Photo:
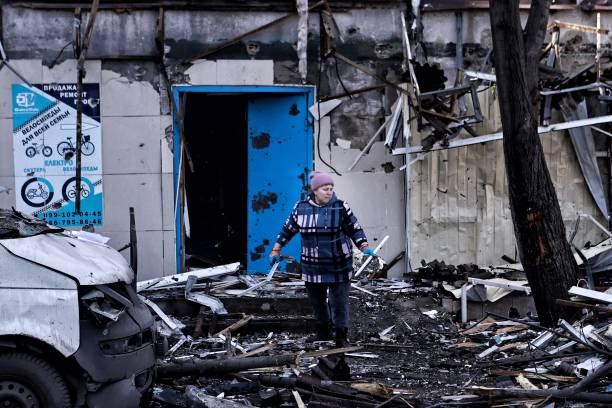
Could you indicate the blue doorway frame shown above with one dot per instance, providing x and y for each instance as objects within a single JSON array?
[{"x": 306, "y": 90}]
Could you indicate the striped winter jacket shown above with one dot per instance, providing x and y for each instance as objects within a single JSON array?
[{"x": 326, "y": 229}]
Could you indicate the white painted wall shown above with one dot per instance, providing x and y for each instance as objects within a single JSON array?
[{"x": 132, "y": 138}]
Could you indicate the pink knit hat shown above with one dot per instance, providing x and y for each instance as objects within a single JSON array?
[{"x": 318, "y": 179}]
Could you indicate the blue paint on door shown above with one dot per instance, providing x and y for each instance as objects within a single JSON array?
[
  {"x": 279, "y": 161},
  {"x": 286, "y": 166}
]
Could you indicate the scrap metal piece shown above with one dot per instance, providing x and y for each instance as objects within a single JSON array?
[
  {"x": 509, "y": 286},
  {"x": 543, "y": 340},
  {"x": 591, "y": 294},
  {"x": 392, "y": 128},
  {"x": 199, "y": 398},
  {"x": 588, "y": 366},
  {"x": 181, "y": 279},
  {"x": 369, "y": 259},
  {"x": 165, "y": 318},
  {"x": 578, "y": 334},
  {"x": 213, "y": 303},
  {"x": 480, "y": 75},
  {"x": 262, "y": 283},
  {"x": 453, "y": 144},
  {"x": 321, "y": 109},
  {"x": 107, "y": 311}
]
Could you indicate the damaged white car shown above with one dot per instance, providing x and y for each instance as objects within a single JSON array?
[{"x": 73, "y": 332}]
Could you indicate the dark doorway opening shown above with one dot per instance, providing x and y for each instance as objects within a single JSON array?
[{"x": 216, "y": 131}]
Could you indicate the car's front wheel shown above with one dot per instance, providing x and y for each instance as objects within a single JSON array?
[{"x": 27, "y": 381}]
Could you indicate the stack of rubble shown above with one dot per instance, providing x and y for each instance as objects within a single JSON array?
[
  {"x": 218, "y": 358},
  {"x": 527, "y": 362}
]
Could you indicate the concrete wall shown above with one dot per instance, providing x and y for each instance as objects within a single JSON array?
[{"x": 133, "y": 170}]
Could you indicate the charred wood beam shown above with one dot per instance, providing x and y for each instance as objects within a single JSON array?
[
  {"x": 196, "y": 366},
  {"x": 367, "y": 71},
  {"x": 293, "y": 325},
  {"x": 351, "y": 93},
  {"x": 315, "y": 384},
  {"x": 582, "y": 305}
]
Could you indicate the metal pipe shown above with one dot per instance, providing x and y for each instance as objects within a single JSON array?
[{"x": 369, "y": 259}]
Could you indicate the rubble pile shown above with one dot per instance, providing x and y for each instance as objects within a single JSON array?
[
  {"x": 527, "y": 363},
  {"x": 237, "y": 359},
  {"x": 235, "y": 348}
]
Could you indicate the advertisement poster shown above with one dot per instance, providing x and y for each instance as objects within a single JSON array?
[{"x": 44, "y": 151}]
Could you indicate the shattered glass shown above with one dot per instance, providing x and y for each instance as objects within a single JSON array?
[{"x": 14, "y": 224}]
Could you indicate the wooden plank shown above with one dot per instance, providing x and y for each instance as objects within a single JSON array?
[
  {"x": 581, "y": 305},
  {"x": 330, "y": 352},
  {"x": 511, "y": 329},
  {"x": 259, "y": 350},
  {"x": 235, "y": 326}
]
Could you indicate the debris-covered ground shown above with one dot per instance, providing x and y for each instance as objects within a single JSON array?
[{"x": 406, "y": 350}]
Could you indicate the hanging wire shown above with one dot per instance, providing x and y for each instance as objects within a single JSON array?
[{"x": 319, "y": 118}]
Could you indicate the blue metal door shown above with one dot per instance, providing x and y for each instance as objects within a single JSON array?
[{"x": 279, "y": 162}]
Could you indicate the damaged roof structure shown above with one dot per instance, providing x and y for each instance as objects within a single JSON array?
[{"x": 207, "y": 118}]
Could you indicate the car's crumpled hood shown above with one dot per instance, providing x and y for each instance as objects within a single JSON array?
[{"x": 89, "y": 263}]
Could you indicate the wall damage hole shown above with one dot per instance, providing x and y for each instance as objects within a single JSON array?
[
  {"x": 260, "y": 141},
  {"x": 383, "y": 50},
  {"x": 294, "y": 111},
  {"x": 262, "y": 202},
  {"x": 259, "y": 250},
  {"x": 252, "y": 48},
  {"x": 388, "y": 167}
]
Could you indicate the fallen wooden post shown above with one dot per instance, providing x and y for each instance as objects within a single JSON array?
[
  {"x": 197, "y": 366},
  {"x": 331, "y": 352},
  {"x": 235, "y": 326}
]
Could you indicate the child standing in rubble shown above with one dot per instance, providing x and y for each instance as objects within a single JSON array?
[{"x": 327, "y": 225}]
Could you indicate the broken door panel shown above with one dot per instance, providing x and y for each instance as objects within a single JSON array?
[{"x": 279, "y": 161}]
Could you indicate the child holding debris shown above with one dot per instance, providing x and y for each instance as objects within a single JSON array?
[{"x": 327, "y": 225}]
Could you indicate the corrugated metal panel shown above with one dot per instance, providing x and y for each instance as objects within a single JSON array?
[{"x": 460, "y": 210}]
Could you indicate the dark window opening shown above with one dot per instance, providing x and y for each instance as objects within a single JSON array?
[{"x": 216, "y": 131}]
